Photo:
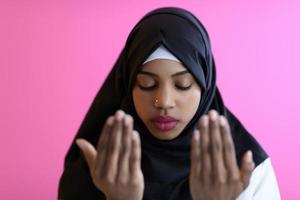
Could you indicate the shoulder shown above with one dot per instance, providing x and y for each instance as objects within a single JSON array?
[{"x": 263, "y": 183}]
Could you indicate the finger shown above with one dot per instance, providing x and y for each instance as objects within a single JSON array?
[
  {"x": 111, "y": 164},
  {"x": 228, "y": 150},
  {"x": 123, "y": 172},
  {"x": 247, "y": 168},
  {"x": 102, "y": 147},
  {"x": 205, "y": 143},
  {"x": 216, "y": 148},
  {"x": 195, "y": 154},
  {"x": 89, "y": 152},
  {"x": 135, "y": 156}
]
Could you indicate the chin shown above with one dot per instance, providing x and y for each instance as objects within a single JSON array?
[{"x": 164, "y": 135}]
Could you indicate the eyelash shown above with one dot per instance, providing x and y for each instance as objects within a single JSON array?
[
  {"x": 183, "y": 88},
  {"x": 154, "y": 86}
]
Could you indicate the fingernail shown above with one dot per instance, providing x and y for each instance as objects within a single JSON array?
[
  {"x": 79, "y": 142},
  {"x": 213, "y": 115},
  {"x": 119, "y": 115},
  {"x": 204, "y": 120},
  {"x": 110, "y": 121},
  {"x": 126, "y": 121},
  {"x": 136, "y": 135},
  {"x": 250, "y": 156},
  {"x": 222, "y": 121}
]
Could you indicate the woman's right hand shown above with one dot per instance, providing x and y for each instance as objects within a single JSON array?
[{"x": 115, "y": 165}]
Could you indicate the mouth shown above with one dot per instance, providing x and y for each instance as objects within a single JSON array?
[{"x": 165, "y": 123}]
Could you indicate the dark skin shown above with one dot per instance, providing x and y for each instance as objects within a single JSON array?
[
  {"x": 214, "y": 175},
  {"x": 214, "y": 171},
  {"x": 115, "y": 166}
]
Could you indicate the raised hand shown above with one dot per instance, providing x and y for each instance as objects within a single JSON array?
[
  {"x": 214, "y": 171},
  {"x": 115, "y": 165}
]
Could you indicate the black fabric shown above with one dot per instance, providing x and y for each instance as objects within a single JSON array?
[{"x": 165, "y": 164}]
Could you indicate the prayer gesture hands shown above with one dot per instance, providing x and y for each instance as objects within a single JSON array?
[
  {"x": 214, "y": 171},
  {"x": 115, "y": 164}
]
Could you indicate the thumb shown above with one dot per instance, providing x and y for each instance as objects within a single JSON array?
[
  {"x": 89, "y": 152},
  {"x": 247, "y": 168}
]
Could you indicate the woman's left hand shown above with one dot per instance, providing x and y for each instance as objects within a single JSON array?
[{"x": 214, "y": 171}]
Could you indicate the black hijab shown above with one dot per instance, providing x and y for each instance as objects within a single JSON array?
[{"x": 165, "y": 164}]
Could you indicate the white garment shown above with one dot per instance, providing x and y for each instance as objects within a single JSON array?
[
  {"x": 161, "y": 53},
  {"x": 263, "y": 184}
]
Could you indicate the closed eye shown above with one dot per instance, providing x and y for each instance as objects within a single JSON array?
[
  {"x": 147, "y": 88},
  {"x": 183, "y": 87}
]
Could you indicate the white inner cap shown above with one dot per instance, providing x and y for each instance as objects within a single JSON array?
[{"x": 161, "y": 53}]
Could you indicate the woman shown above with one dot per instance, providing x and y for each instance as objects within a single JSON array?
[{"x": 158, "y": 128}]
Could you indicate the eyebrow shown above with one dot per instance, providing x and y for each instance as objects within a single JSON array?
[{"x": 155, "y": 75}]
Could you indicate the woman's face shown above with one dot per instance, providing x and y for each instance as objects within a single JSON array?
[{"x": 166, "y": 97}]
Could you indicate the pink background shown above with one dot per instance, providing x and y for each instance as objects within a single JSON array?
[{"x": 54, "y": 56}]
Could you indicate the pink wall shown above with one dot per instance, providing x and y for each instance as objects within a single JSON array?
[{"x": 54, "y": 55}]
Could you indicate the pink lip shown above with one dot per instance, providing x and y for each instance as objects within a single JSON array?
[{"x": 165, "y": 123}]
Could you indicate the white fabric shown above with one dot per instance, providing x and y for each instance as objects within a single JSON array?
[
  {"x": 161, "y": 53},
  {"x": 263, "y": 184}
]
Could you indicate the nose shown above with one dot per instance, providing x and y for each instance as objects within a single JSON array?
[{"x": 165, "y": 98}]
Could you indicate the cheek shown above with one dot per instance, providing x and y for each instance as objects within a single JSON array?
[
  {"x": 189, "y": 103},
  {"x": 142, "y": 102}
]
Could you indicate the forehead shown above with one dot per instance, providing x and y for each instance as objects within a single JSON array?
[{"x": 163, "y": 66}]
